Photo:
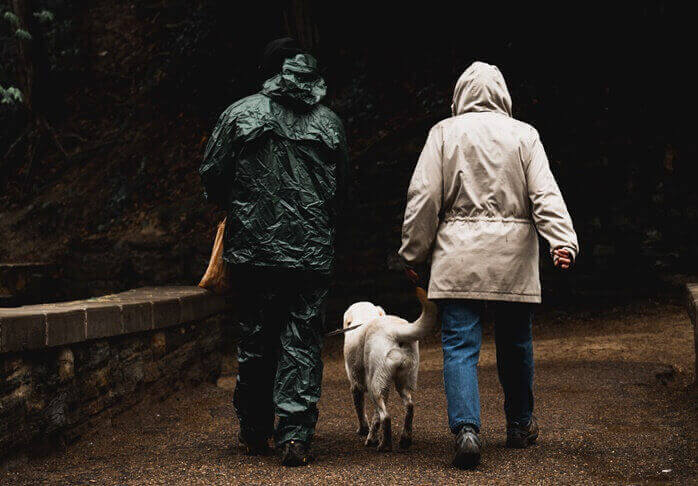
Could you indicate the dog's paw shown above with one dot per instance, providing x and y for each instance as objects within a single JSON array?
[
  {"x": 362, "y": 430},
  {"x": 371, "y": 442},
  {"x": 405, "y": 442},
  {"x": 385, "y": 446}
]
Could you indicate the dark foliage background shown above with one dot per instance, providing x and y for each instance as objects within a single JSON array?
[{"x": 134, "y": 89}]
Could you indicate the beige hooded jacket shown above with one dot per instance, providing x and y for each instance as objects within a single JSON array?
[{"x": 480, "y": 190}]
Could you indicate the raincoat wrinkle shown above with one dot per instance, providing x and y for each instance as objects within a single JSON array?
[
  {"x": 276, "y": 161},
  {"x": 279, "y": 357}
]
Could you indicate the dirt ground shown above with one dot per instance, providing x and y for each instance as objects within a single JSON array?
[{"x": 613, "y": 399}]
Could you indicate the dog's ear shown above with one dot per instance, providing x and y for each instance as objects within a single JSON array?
[{"x": 381, "y": 311}]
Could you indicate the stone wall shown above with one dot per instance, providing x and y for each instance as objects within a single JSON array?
[{"x": 49, "y": 395}]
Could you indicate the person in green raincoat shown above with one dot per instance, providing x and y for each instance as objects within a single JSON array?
[{"x": 276, "y": 163}]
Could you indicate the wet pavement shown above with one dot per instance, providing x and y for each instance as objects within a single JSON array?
[{"x": 613, "y": 400}]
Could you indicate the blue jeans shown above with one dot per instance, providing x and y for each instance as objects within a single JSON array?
[{"x": 461, "y": 335}]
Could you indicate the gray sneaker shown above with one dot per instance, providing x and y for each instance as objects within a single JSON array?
[
  {"x": 468, "y": 446},
  {"x": 520, "y": 437}
]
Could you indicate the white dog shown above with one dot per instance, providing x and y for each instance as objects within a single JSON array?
[{"x": 382, "y": 351}]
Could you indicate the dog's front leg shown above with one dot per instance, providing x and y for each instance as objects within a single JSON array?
[{"x": 359, "y": 405}]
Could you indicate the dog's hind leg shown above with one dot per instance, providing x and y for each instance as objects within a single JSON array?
[
  {"x": 372, "y": 439},
  {"x": 406, "y": 436},
  {"x": 385, "y": 442},
  {"x": 358, "y": 395}
]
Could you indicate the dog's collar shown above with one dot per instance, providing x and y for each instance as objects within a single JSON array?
[{"x": 344, "y": 330}]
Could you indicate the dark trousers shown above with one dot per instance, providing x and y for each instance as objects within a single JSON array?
[{"x": 279, "y": 358}]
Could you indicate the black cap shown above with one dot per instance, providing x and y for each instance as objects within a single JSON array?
[{"x": 275, "y": 53}]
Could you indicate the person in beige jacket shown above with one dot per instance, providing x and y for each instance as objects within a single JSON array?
[{"x": 480, "y": 194}]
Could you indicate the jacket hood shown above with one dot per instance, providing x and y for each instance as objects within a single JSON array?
[
  {"x": 481, "y": 88},
  {"x": 299, "y": 82}
]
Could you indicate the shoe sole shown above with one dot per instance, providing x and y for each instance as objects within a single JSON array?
[
  {"x": 295, "y": 464},
  {"x": 262, "y": 450},
  {"x": 522, "y": 444},
  {"x": 256, "y": 452},
  {"x": 466, "y": 461},
  {"x": 296, "y": 461}
]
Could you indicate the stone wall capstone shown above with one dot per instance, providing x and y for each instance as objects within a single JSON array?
[{"x": 65, "y": 368}]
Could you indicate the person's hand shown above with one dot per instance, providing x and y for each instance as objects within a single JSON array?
[
  {"x": 412, "y": 275},
  {"x": 417, "y": 274},
  {"x": 562, "y": 258}
]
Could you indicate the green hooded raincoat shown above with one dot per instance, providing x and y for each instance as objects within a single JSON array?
[{"x": 276, "y": 162}]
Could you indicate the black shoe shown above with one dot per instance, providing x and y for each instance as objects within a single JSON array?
[
  {"x": 254, "y": 448},
  {"x": 468, "y": 446},
  {"x": 520, "y": 437},
  {"x": 296, "y": 453}
]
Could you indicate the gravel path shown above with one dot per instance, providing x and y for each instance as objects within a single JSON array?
[{"x": 612, "y": 397}]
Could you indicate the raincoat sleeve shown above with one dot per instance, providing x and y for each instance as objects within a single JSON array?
[
  {"x": 424, "y": 201},
  {"x": 548, "y": 208},
  {"x": 217, "y": 168}
]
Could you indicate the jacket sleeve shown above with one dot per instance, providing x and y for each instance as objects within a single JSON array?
[
  {"x": 548, "y": 208},
  {"x": 424, "y": 200},
  {"x": 217, "y": 168}
]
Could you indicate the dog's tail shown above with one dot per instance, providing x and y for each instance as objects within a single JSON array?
[{"x": 424, "y": 324}]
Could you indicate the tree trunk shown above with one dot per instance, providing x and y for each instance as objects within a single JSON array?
[
  {"x": 33, "y": 78},
  {"x": 26, "y": 65},
  {"x": 298, "y": 16}
]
